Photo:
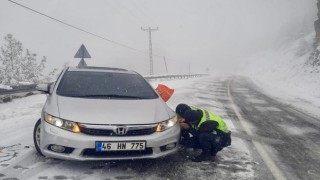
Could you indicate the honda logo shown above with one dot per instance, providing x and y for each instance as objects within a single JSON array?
[{"x": 121, "y": 130}]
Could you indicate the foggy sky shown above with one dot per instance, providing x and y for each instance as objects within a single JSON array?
[{"x": 212, "y": 34}]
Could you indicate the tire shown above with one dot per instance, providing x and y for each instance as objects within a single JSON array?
[{"x": 36, "y": 136}]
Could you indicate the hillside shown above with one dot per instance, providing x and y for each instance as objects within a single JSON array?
[{"x": 290, "y": 69}]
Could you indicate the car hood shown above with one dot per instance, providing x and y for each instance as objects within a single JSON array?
[{"x": 113, "y": 111}]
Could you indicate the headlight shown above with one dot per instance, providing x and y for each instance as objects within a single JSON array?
[
  {"x": 162, "y": 126},
  {"x": 61, "y": 123}
]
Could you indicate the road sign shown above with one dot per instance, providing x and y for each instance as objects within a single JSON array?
[
  {"x": 82, "y": 63},
  {"x": 82, "y": 53}
]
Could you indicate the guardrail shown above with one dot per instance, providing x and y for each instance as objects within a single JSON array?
[
  {"x": 152, "y": 77},
  {"x": 18, "y": 89},
  {"x": 24, "y": 90}
]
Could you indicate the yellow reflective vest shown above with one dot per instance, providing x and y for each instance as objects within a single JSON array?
[{"x": 209, "y": 116}]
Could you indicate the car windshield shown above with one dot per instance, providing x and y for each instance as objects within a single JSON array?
[{"x": 88, "y": 84}]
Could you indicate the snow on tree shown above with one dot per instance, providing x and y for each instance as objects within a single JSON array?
[
  {"x": 32, "y": 71},
  {"x": 10, "y": 57},
  {"x": 28, "y": 65},
  {"x": 40, "y": 68},
  {"x": 52, "y": 76},
  {"x": 2, "y": 76},
  {"x": 16, "y": 66},
  {"x": 314, "y": 58}
]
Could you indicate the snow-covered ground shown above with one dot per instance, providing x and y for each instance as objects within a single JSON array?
[
  {"x": 283, "y": 73},
  {"x": 5, "y": 87}
]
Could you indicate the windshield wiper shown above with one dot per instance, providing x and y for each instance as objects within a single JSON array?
[{"x": 111, "y": 96}]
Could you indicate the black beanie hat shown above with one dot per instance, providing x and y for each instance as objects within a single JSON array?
[
  {"x": 181, "y": 109},
  {"x": 193, "y": 115}
]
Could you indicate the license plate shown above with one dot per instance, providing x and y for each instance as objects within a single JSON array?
[{"x": 120, "y": 146}]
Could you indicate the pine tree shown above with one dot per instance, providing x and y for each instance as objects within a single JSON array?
[
  {"x": 1, "y": 73},
  {"x": 10, "y": 57},
  {"x": 39, "y": 69},
  {"x": 16, "y": 66},
  {"x": 28, "y": 66},
  {"x": 52, "y": 76}
]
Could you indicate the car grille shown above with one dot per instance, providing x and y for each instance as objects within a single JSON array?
[
  {"x": 94, "y": 153},
  {"x": 109, "y": 132}
]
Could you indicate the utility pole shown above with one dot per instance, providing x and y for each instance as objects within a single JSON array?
[
  {"x": 165, "y": 63},
  {"x": 150, "y": 47},
  {"x": 189, "y": 69}
]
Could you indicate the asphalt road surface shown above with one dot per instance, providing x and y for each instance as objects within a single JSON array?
[{"x": 285, "y": 138}]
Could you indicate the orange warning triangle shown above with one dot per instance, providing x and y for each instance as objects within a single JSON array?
[{"x": 165, "y": 92}]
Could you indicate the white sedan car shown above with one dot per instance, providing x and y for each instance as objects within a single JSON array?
[{"x": 96, "y": 113}]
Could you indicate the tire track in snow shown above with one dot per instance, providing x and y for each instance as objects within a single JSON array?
[
  {"x": 276, "y": 172},
  {"x": 28, "y": 165}
]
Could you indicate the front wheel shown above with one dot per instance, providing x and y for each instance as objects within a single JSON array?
[{"x": 36, "y": 136}]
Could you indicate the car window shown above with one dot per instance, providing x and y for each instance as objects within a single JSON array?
[{"x": 105, "y": 85}]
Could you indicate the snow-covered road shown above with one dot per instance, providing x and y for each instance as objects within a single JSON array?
[
  {"x": 286, "y": 137},
  {"x": 235, "y": 100}
]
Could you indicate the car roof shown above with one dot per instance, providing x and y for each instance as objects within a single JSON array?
[{"x": 101, "y": 69}]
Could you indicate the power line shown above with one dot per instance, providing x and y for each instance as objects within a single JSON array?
[
  {"x": 80, "y": 29},
  {"x": 141, "y": 11},
  {"x": 90, "y": 33}
]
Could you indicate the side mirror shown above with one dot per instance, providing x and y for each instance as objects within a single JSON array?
[{"x": 43, "y": 87}]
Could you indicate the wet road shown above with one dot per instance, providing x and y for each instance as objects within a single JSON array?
[{"x": 289, "y": 136}]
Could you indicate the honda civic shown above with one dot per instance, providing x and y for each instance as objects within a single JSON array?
[{"x": 100, "y": 113}]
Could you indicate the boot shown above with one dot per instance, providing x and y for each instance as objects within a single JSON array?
[
  {"x": 204, "y": 156},
  {"x": 214, "y": 152}
]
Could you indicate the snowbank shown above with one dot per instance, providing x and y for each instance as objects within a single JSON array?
[
  {"x": 5, "y": 87},
  {"x": 285, "y": 70}
]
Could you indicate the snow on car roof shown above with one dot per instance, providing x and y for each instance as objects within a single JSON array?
[{"x": 100, "y": 69}]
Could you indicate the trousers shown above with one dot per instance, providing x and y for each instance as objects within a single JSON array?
[{"x": 208, "y": 142}]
